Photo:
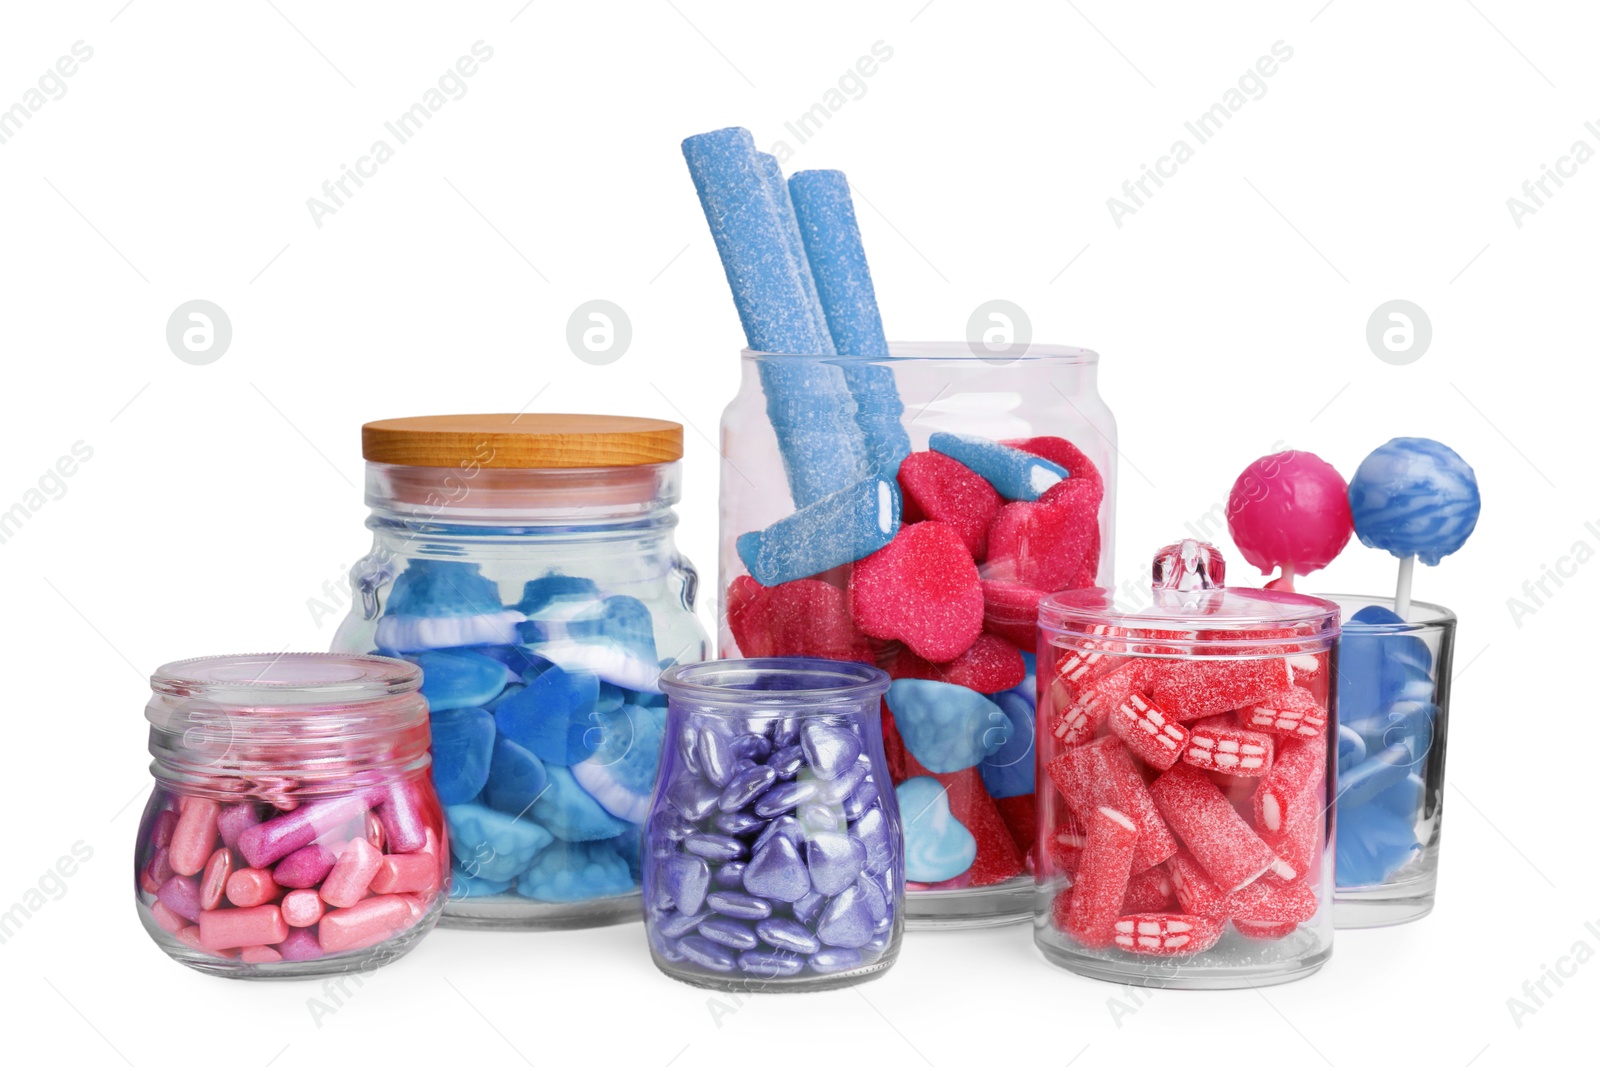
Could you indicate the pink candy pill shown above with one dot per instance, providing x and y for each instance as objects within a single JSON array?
[
  {"x": 418, "y": 873},
  {"x": 195, "y": 835},
  {"x": 166, "y": 918},
  {"x": 352, "y": 873},
  {"x": 304, "y": 867},
  {"x": 260, "y": 954},
  {"x": 301, "y": 907},
  {"x": 251, "y": 887},
  {"x": 235, "y": 819},
  {"x": 181, "y": 895},
  {"x": 274, "y": 839},
  {"x": 161, "y": 829},
  {"x": 401, "y": 816},
  {"x": 301, "y": 944},
  {"x": 369, "y": 922},
  {"x": 242, "y": 927},
  {"x": 214, "y": 882}
]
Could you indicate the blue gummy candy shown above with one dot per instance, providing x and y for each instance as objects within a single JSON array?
[
  {"x": 463, "y": 741},
  {"x": 1414, "y": 497},
  {"x": 1352, "y": 748},
  {"x": 1403, "y": 799},
  {"x": 622, "y": 771},
  {"x": 778, "y": 189},
  {"x": 567, "y": 811},
  {"x": 946, "y": 727},
  {"x": 614, "y": 638},
  {"x": 418, "y": 633},
  {"x": 1371, "y": 845},
  {"x": 827, "y": 226},
  {"x": 937, "y": 846},
  {"x": 840, "y": 528},
  {"x": 439, "y": 587},
  {"x": 568, "y": 872},
  {"x": 492, "y": 845},
  {"x": 516, "y": 778},
  {"x": 463, "y": 886},
  {"x": 553, "y": 715},
  {"x": 1373, "y": 775},
  {"x": 1015, "y": 474},
  {"x": 540, "y": 593},
  {"x": 1008, "y": 770},
  {"x": 459, "y": 678}
]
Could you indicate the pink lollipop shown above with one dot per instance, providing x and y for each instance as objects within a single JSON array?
[{"x": 1289, "y": 510}]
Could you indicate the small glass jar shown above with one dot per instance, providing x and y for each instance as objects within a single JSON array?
[
  {"x": 1185, "y": 750},
  {"x": 862, "y": 518},
  {"x": 526, "y": 563},
  {"x": 773, "y": 851},
  {"x": 292, "y": 830},
  {"x": 1394, "y": 707}
]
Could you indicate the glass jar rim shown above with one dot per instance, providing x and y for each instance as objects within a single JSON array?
[
  {"x": 828, "y": 682},
  {"x": 1421, "y": 618},
  {"x": 1055, "y": 355},
  {"x": 252, "y": 680},
  {"x": 1304, "y": 623}
]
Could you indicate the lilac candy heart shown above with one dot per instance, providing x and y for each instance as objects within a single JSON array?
[
  {"x": 729, "y": 875},
  {"x": 834, "y": 960},
  {"x": 776, "y": 872},
  {"x": 787, "y": 761},
  {"x": 738, "y": 823},
  {"x": 834, "y": 860},
  {"x": 771, "y": 964},
  {"x": 858, "y": 803},
  {"x": 830, "y": 750},
  {"x": 716, "y": 758},
  {"x": 847, "y": 920},
  {"x": 694, "y": 797},
  {"x": 738, "y": 905},
  {"x": 745, "y": 787},
  {"x": 784, "y": 826},
  {"x": 787, "y": 934},
  {"x": 872, "y": 830},
  {"x": 836, "y": 789},
  {"x": 729, "y": 932},
  {"x": 808, "y": 907},
  {"x": 785, "y": 796},
  {"x": 719, "y": 847},
  {"x": 677, "y": 925},
  {"x": 707, "y": 954},
  {"x": 686, "y": 880}
]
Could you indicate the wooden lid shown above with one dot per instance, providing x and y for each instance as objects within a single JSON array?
[{"x": 522, "y": 441}]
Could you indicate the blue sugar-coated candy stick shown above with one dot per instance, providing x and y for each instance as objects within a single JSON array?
[
  {"x": 772, "y": 173},
  {"x": 749, "y": 233},
  {"x": 827, "y": 221},
  {"x": 1414, "y": 497},
  {"x": 1015, "y": 474},
  {"x": 809, "y": 407},
  {"x": 840, "y": 528}
]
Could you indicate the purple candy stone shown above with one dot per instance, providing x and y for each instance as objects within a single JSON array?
[
  {"x": 776, "y": 872},
  {"x": 729, "y": 932},
  {"x": 830, "y": 750},
  {"x": 834, "y": 861},
  {"x": 686, "y": 880},
  {"x": 847, "y": 920}
]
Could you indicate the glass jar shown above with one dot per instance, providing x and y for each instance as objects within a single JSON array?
[
  {"x": 292, "y": 829},
  {"x": 1394, "y": 707},
  {"x": 910, "y": 512},
  {"x": 1185, "y": 763},
  {"x": 526, "y": 563},
  {"x": 774, "y": 845}
]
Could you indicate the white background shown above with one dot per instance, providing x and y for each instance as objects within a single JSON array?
[{"x": 1230, "y": 311}]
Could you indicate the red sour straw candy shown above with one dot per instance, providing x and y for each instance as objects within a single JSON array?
[
  {"x": 1197, "y": 688},
  {"x": 1085, "y": 708},
  {"x": 1149, "y": 890},
  {"x": 1164, "y": 934},
  {"x": 1102, "y": 774},
  {"x": 1198, "y": 813},
  {"x": 922, "y": 589},
  {"x": 1216, "y": 744},
  {"x": 1293, "y": 782},
  {"x": 1102, "y": 878},
  {"x": 1290, "y": 510},
  {"x": 1148, "y": 733},
  {"x": 1295, "y": 712},
  {"x": 934, "y": 486}
]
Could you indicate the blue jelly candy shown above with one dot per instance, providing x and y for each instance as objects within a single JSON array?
[
  {"x": 778, "y": 189},
  {"x": 1352, "y": 749},
  {"x": 463, "y": 886},
  {"x": 839, "y": 528},
  {"x": 1384, "y": 768},
  {"x": 516, "y": 778},
  {"x": 553, "y": 716},
  {"x": 463, "y": 742},
  {"x": 1414, "y": 497},
  {"x": 946, "y": 727},
  {"x": 398, "y": 634},
  {"x": 492, "y": 845},
  {"x": 458, "y": 678},
  {"x": 937, "y": 846},
  {"x": 570, "y": 813},
  {"x": 1008, "y": 770},
  {"x": 541, "y": 593},
  {"x": 437, "y": 588},
  {"x": 622, "y": 771},
  {"x": 1015, "y": 474},
  {"x": 1371, "y": 845},
  {"x": 568, "y": 872},
  {"x": 614, "y": 638},
  {"x": 1403, "y": 799}
]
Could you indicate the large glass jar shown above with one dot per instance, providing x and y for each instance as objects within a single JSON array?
[
  {"x": 526, "y": 563},
  {"x": 910, "y": 512},
  {"x": 774, "y": 846},
  {"x": 292, "y": 830},
  {"x": 1186, "y": 769},
  {"x": 1394, "y": 710}
]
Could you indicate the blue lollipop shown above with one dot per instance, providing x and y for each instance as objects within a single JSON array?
[{"x": 1414, "y": 498}]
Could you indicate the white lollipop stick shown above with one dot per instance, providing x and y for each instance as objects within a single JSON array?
[{"x": 1402, "y": 587}]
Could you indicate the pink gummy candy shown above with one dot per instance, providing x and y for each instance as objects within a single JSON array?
[
  {"x": 1052, "y": 543},
  {"x": 1290, "y": 510},
  {"x": 806, "y": 617},
  {"x": 1060, "y": 451},
  {"x": 1011, "y": 611},
  {"x": 921, "y": 588},
  {"x": 934, "y": 486},
  {"x": 989, "y": 666},
  {"x": 1224, "y": 844}
]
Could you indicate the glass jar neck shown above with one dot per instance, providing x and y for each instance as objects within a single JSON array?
[{"x": 474, "y": 501}]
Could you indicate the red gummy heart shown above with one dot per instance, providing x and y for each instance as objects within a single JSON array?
[
  {"x": 921, "y": 588},
  {"x": 1011, "y": 611},
  {"x": 806, "y": 617},
  {"x": 1060, "y": 451},
  {"x": 1049, "y": 544},
  {"x": 989, "y": 666},
  {"x": 934, "y": 486}
]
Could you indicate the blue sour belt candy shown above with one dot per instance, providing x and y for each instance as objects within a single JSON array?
[
  {"x": 841, "y": 528},
  {"x": 937, "y": 846},
  {"x": 492, "y": 845},
  {"x": 827, "y": 226},
  {"x": 948, "y": 728},
  {"x": 463, "y": 744},
  {"x": 1015, "y": 474},
  {"x": 778, "y": 189},
  {"x": 1008, "y": 770},
  {"x": 460, "y": 678},
  {"x": 1414, "y": 497},
  {"x": 810, "y": 409}
]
